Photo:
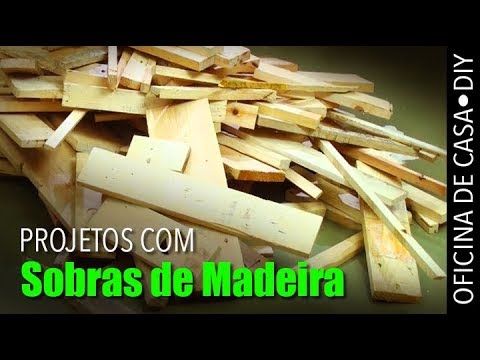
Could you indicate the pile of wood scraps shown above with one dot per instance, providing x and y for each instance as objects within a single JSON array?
[{"x": 199, "y": 126}]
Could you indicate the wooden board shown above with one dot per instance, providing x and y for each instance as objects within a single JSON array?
[
  {"x": 102, "y": 98},
  {"x": 284, "y": 64},
  {"x": 231, "y": 56},
  {"x": 302, "y": 183},
  {"x": 380, "y": 209},
  {"x": 246, "y": 83},
  {"x": 204, "y": 50},
  {"x": 338, "y": 254},
  {"x": 160, "y": 153},
  {"x": 195, "y": 200},
  {"x": 255, "y": 151},
  {"x": 27, "y": 130},
  {"x": 242, "y": 115},
  {"x": 112, "y": 72},
  {"x": 290, "y": 114},
  {"x": 392, "y": 270},
  {"x": 362, "y": 84},
  {"x": 138, "y": 71},
  {"x": 94, "y": 69},
  {"x": 243, "y": 167},
  {"x": 65, "y": 128},
  {"x": 162, "y": 72},
  {"x": 10, "y": 104},
  {"x": 424, "y": 203},
  {"x": 426, "y": 223},
  {"x": 178, "y": 56},
  {"x": 75, "y": 56},
  {"x": 376, "y": 159},
  {"x": 40, "y": 87},
  {"x": 350, "y": 120},
  {"x": 218, "y": 110},
  {"x": 20, "y": 65},
  {"x": 211, "y": 93},
  {"x": 361, "y": 102}
]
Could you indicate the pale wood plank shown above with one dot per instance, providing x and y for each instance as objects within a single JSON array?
[
  {"x": 10, "y": 104},
  {"x": 27, "y": 130},
  {"x": 426, "y": 223},
  {"x": 302, "y": 183},
  {"x": 67, "y": 126},
  {"x": 204, "y": 50},
  {"x": 361, "y": 102},
  {"x": 362, "y": 84},
  {"x": 20, "y": 65},
  {"x": 218, "y": 110},
  {"x": 112, "y": 72},
  {"x": 162, "y": 72},
  {"x": 242, "y": 115},
  {"x": 291, "y": 114},
  {"x": 40, "y": 87},
  {"x": 138, "y": 71},
  {"x": 231, "y": 56},
  {"x": 7, "y": 169},
  {"x": 281, "y": 63},
  {"x": 178, "y": 56}
]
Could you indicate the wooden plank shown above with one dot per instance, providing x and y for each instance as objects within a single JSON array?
[
  {"x": 314, "y": 207},
  {"x": 211, "y": 93},
  {"x": 42, "y": 56},
  {"x": 290, "y": 114},
  {"x": 380, "y": 209},
  {"x": 204, "y": 50},
  {"x": 427, "y": 155},
  {"x": 274, "y": 74},
  {"x": 242, "y": 115},
  {"x": 122, "y": 63},
  {"x": 284, "y": 64},
  {"x": 424, "y": 203},
  {"x": 376, "y": 159},
  {"x": 102, "y": 98},
  {"x": 112, "y": 73},
  {"x": 361, "y": 102},
  {"x": 20, "y": 65},
  {"x": 324, "y": 131},
  {"x": 95, "y": 69},
  {"x": 67, "y": 126},
  {"x": 10, "y": 104},
  {"x": 183, "y": 196},
  {"x": 155, "y": 151},
  {"x": 242, "y": 83},
  {"x": 350, "y": 120},
  {"x": 27, "y": 130},
  {"x": 309, "y": 104},
  {"x": 304, "y": 184},
  {"x": 85, "y": 78},
  {"x": 134, "y": 74},
  {"x": 232, "y": 55},
  {"x": 392, "y": 270},
  {"x": 178, "y": 56},
  {"x": 191, "y": 123},
  {"x": 243, "y": 167},
  {"x": 7, "y": 169},
  {"x": 87, "y": 135},
  {"x": 40, "y": 87},
  {"x": 426, "y": 223},
  {"x": 339, "y": 217},
  {"x": 338, "y": 254},
  {"x": 268, "y": 157},
  {"x": 76, "y": 56},
  {"x": 362, "y": 84},
  {"x": 162, "y": 72},
  {"x": 218, "y": 110}
]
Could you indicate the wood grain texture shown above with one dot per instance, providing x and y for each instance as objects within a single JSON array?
[
  {"x": 10, "y": 104},
  {"x": 178, "y": 56},
  {"x": 211, "y": 93},
  {"x": 361, "y": 102},
  {"x": 27, "y": 130},
  {"x": 40, "y": 87},
  {"x": 242, "y": 115}
]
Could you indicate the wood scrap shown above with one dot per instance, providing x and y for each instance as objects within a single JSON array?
[
  {"x": 302, "y": 183},
  {"x": 162, "y": 72},
  {"x": 291, "y": 114},
  {"x": 19, "y": 65},
  {"x": 112, "y": 73},
  {"x": 204, "y": 50},
  {"x": 40, "y": 87},
  {"x": 284, "y": 64},
  {"x": 231, "y": 56},
  {"x": 65, "y": 127},
  {"x": 10, "y": 104},
  {"x": 240, "y": 114},
  {"x": 362, "y": 84},
  {"x": 426, "y": 223},
  {"x": 27, "y": 130},
  {"x": 138, "y": 72}
]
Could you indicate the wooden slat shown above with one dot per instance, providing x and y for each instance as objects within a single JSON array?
[
  {"x": 243, "y": 167},
  {"x": 242, "y": 115},
  {"x": 95, "y": 69},
  {"x": 10, "y": 104},
  {"x": 268, "y": 157},
  {"x": 377, "y": 160},
  {"x": 242, "y": 83},
  {"x": 19, "y": 65},
  {"x": 424, "y": 203},
  {"x": 211, "y": 93},
  {"x": 122, "y": 63},
  {"x": 62, "y": 131},
  {"x": 27, "y": 130},
  {"x": 204, "y": 50},
  {"x": 361, "y": 102},
  {"x": 290, "y": 114},
  {"x": 302, "y": 183},
  {"x": 362, "y": 84},
  {"x": 380, "y": 209},
  {"x": 76, "y": 56},
  {"x": 40, "y": 87},
  {"x": 351, "y": 121},
  {"x": 284, "y": 64},
  {"x": 136, "y": 71},
  {"x": 178, "y": 56},
  {"x": 112, "y": 73},
  {"x": 426, "y": 223},
  {"x": 392, "y": 270},
  {"x": 231, "y": 56},
  {"x": 162, "y": 72},
  {"x": 183, "y": 196}
]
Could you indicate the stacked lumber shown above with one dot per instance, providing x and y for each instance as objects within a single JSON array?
[{"x": 200, "y": 127}]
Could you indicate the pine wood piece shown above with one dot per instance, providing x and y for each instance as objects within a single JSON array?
[
  {"x": 244, "y": 83},
  {"x": 339, "y": 217},
  {"x": 178, "y": 56},
  {"x": 138, "y": 71},
  {"x": 232, "y": 55},
  {"x": 162, "y": 72},
  {"x": 304, "y": 184},
  {"x": 426, "y": 223},
  {"x": 338, "y": 254},
  {"x": 376, "y": 159},
  {"x": 27, "y": 130},
  {"x": 424, "y": 203},
  {"x": 7, "y": 169},
  {"x": 245, "y": 168},
  {"x": 204, "y": 50},
  {"x": 290, "y": 114},
  {"x": 195, "y": 200},
  {"x": 76, "y": 56},
  {"x": 255, "y": 151},
  {"x": 362, "y": 84},
  {"x": 284, "y": 64},
  {"x": 112, "y": 72},
  {"x": 100, "y": 70},
  {"x": 20, "y": 65},
  {"x": 10, "y": 104},
  {"x": 218, "y": 110},
  {"x": 427, "y": 155},
  {"x": 40, "y": 87},
  {"x": 361, "y": 102},
  {"x": 314, "y": 207},
  {"x": 350, "y": 120},
  {"x": 211, "y": 93},
  {"x": 310, "y": 104},
  {"x": 379, "y": 208},
  {"x": 242, "y": 115},
  {"x": 67, "y": 126},
  {"x": 160, "y": 153},
  {"x": 122, "y": 63}
]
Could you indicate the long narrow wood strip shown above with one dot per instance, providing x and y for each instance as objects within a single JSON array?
[
  {"x": 422, "y": 202},
  {"x": 211, "y": 93},
  {"x": 423, "y": 259},
  {"x": 361, "y": 102},
  {"x": 352, "y": 121},
  {"x": 20, "y": 65},
  {"x": 178, "y": 56},
  {"x": 242, "y": 115},
  {"x": 175, "y": 73},
  {"x": 112, "y": 72},
  {"x": 426, "y": 223},
  {"x": 67, "y": 125},
  {"x": 239, "y": 83},
  {"x": 27, "y": 130},
  {"x": 134, "y": 73},
  {"x": 10, "y": 104},
  {"x": 181, "y": 195},
  {"x": 204, "y": 50},
  {"x": 40, "y": 87},
  {"x": 362, "y": 84},
  {"x": 374, "y": 158},
  {"x": 302, "y": 183},
  {"x": 281, "y": 63},
  {"x": 290, "y": 114}
]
